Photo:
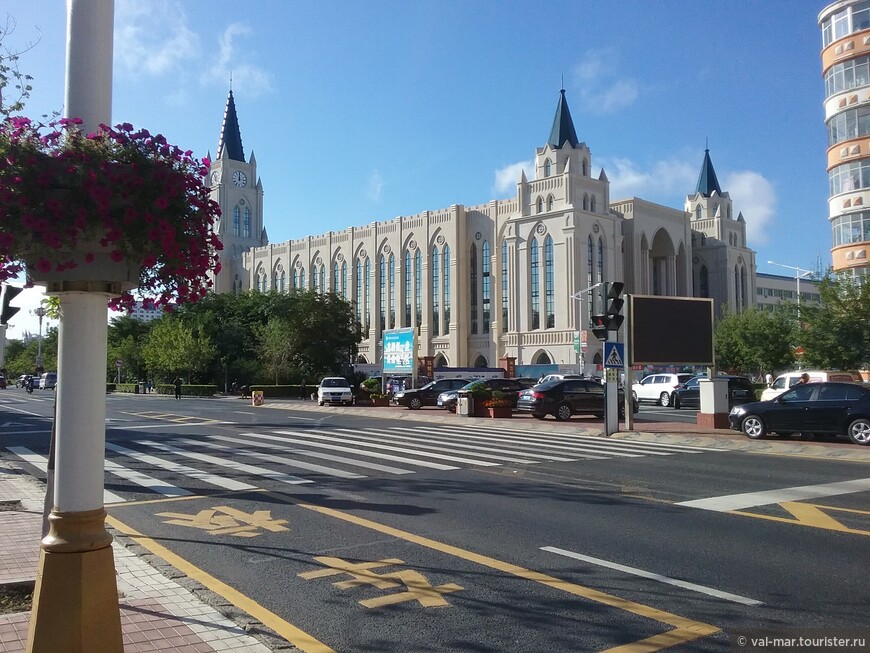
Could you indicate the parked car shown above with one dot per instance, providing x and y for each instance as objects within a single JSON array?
[
  {"x": 563, "y": 398},
  {"x": 48, "y": 381},
  {"x": 832, "y": 408},
  {"x": 334, "y": 390},
  {"x": 790, "y": 379},
  {"x": 512, "y": 388},
  {"x": 396, "y": 384},
  {"x": 558, "y": 377},
  {"x": 428, "y": 394},
  {"x": 740, "y": 391},
  {"x": 658, "y": 388}
]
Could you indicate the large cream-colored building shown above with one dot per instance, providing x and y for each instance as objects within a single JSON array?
[{"x": 502, "y": 279}]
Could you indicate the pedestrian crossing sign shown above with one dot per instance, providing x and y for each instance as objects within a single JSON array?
[{"x": 614, "y": 354}]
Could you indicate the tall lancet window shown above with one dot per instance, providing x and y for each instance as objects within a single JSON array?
[
  {"x": 334, "y": 285},
  {"x": 418, "y": 287},
  {"x": 383, "y": 286},
  {"x": 703, "y": 282},
  {"x": 590, "y": 263},
  {"x": 315, "y": 277},
  {"x": 435, "y": 294},
  {"x": 322, "y": 279},
  {"x": 246, "y": 224},
  {"x": 392, "y": 308},
  {"x": 472, "y": 264},
  {"x": 549, "y": 283},
  {"x": 505, "y": 289},
  {"x": 409, "y": 290},
  {"x": 302, "y": 279},
  {"x": 446, "y": 290},
  {"x": 487, "y": 292},
  {"x": 344, "y": 280},
  {"x": 367, "y": 280},
  {"x": 535, "y": 284},
  {"x": 360, "y": 298},
  {"x": 237, "y": 221}
]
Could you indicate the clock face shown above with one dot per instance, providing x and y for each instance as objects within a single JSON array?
[
  {"x": 215, "y": 176},
  {"x": 239, "y": 178}
]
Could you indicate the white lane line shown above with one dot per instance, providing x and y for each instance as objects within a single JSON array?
[
  {"x": 235, "y": 451},
  {"x": 41, "y": 463},
  {"x": 273, "y": 439},
  {"x": 205, "y": 477},
  {"x": 385, "y": 447},
  {"x": 433, "y": 443},
  {"x": 767, "y": 497},
  {"x": 736, "y": 598},
  {"x": 163, "y": 425},
  {"x": 359, "y": 452},
  {"x": 230, "y": 464}
]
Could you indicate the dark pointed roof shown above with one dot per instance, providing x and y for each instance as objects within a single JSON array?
[
  {"x": 231, "y": 137},
  {"x": 563, "y": 127},
  {"x": 707, "y": 181}
]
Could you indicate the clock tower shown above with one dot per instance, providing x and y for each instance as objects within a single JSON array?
[{"x": 239, "y": 192}]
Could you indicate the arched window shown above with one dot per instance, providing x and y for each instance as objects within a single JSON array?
[
  {"x": 480, "y": 361},
  {"x": 334, "y": 285},
  {"x": 382, "y": 320},
  {"x": 585, "y": 201},
  {"x": 549, "y": 284},
  {"x": 392, "y": 307},
  {"x": 589, "y": 268},
  {"x": 237, "y": 220},
  {"x": 302, "y": 279},
  {"x": 540, "y": 205},
  {"x": 592, "y": 204},
  {"x": 737, "y": 297},
  {"x": 367, "y": 291},
  {"x": 296, "y": 278},
  {"x": 698, "y": 212},
  {"x": 505, "y": 287},
  {"x": 322, "y": 279},
  {"x": 585, "y": 168},
  {"x": 418, "y": 286},
  {"x": 472, "y": 266},
  {"x": 704, "y": 282},
  {"x": 436, "y": 313},
  {"x": 547, "y": 168},
  {"x": 534, "y": 284},
  {"x": 283, "y": 280},
  {"x": 486, "y": 295},
  {"x": 600, "y": 261},
  {"x": 360, "y": 298},
  {"x": 446, "y": 290},
  {"x": 409, "y": 289},
  {"x": 315, "y": 277},
  {"x": 344, "y": 280},
  {"x": 246, "y": 224},
  {"x": 549, "y": 202}
]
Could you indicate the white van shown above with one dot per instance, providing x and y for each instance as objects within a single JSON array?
[{"x": 785, "y": 381}]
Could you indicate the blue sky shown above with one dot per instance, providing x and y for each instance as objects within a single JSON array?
[{"x": 366, "y": 110}]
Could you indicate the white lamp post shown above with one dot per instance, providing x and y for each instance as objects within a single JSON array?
[
  {"x": 798, "y": 273},
  {"x": 579, "y": 297},
  {"x": 40, "y": 313}
]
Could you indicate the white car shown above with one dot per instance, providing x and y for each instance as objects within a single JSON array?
[
  {"x": 334, "y": 390},
  {"x": 659, "y": 388}
]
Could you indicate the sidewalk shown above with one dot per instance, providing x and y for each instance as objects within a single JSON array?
[{"x": 157, "y": 614}]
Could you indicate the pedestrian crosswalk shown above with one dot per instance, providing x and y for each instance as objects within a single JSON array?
[{"x": 181, "y": 465}]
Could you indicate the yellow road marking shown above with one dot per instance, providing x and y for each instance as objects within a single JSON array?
[
  {"x": 685, "y": 630},
  {"x": 173, "y": 417},
  {"x": 808, "y": 514},
  {"x": 268, "y": 618}
]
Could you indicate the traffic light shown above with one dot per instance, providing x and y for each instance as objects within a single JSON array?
[
  {"x": 612, "y": 317},
  {"x": 9, "y": 293}
]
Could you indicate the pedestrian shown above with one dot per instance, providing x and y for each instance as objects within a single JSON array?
[
  {"x": 303, "y": 389},
  {"x": 178, "y": 383},
  {"x": 768, "y": 379},
  {"x": 805, "y": 378}
]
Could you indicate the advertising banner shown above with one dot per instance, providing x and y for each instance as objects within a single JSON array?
[{"x": 399, "y": 349}]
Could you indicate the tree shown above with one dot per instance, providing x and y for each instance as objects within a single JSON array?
[
  {"x": 325, "y": 333},
  {"x": 173, "y": 347},
  {"x": 274, "y": 340},
  {"x": 755, "y": 341},
  {"x": 836, "y": 333},
  {"x": 126, "y": 339}
]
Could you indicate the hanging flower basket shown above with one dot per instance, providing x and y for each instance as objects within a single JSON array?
[{"x": 117, "y": 211}]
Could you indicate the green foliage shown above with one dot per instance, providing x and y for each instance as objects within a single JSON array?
[
  {"x": 274, "y": 340},
  {"x": 755, "y": 341},
  {"x": 479, "y": 390},
  {"x": 173, "y": 347},
  {"x": 836, "y": 334}
]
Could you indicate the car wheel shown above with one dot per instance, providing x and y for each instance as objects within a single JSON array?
[
  {"x": 634, "y": 397},
  {"x": 563, "y": 412},
  {"x": 415, "y": 403},
  {"x": 319, "y": 403},
  {"x": 676, "y": 402},
  {"x": 753, "y": 427},
  {"x": 664, "y": 399},
  {"x": 859, "y": 431},
  {"x": 538, "y": 416}
]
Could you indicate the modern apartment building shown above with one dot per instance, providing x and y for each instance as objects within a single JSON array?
[{"x": 845, "y": 29}]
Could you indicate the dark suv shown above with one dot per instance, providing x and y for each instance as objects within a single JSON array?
[
  {"x": 428, "y": 394},
  {"x": 563, "y": 398},
  {"x": 740, "y": 391}
]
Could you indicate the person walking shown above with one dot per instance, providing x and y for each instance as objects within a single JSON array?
[
  {"x": 178, "y": 383},
  {"x": 303, "y": 389},
  {"x": 768, "y": 379}
]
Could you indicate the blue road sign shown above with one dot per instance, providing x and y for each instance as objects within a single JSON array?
[{"x": 614, "y": 354}]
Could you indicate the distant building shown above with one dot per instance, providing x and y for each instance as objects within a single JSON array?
[
  {"x": 506, "y": 279},
  {"x": 845, "y": 29},
  {"x": 139, "y": 312},
  {"x": 773, "y": 290}
]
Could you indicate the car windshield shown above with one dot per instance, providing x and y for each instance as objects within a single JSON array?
[{"x": 333, "y": 383}]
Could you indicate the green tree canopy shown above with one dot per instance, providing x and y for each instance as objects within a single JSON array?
[
  {"x": 836, "y": 333},
  {"x": 755, "y": 341}
]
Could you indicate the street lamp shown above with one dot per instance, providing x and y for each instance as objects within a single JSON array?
[
  {"x": 579, "y": 297},
  {"x": 798, "y": 273},
  {"x": 40, "y": 313}
]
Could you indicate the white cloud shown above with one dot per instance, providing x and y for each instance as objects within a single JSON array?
[
  {"x": 665, "y": 179},
  {"x": 602, "y": 90},
  {"x": 376, "y": 185},
  {"x": 153, "y": 38},
  {"x": 247, "y": 77},
  {"x": 506, "y": 178},
  {"x": 755, "y": 197}
]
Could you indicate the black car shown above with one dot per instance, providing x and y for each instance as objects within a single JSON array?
[
  {"x": 428, "y": 394},
  {"x": 395, "y": 384},
  {"x": 563, "y": 398},
  {"x": 511, "y": 387},
  {"x": 831, "y": 408},
  {"x": 740, "y": 391}
]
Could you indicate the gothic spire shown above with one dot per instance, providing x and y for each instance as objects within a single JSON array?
[
  {"x": 707, "y": 181},
  {"x": 231, "y": 137},
  {"x": 563, "y": 127}
]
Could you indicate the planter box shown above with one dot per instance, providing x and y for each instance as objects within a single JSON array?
[{"x": 499, "y": 411}]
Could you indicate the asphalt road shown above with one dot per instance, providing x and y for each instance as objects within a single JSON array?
[{"x": 376, "y": 534}]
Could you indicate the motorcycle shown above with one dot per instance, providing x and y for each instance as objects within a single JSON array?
[{"x": 30, "y": 387}]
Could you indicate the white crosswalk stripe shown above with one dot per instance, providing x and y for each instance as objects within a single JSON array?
[{"x": 41, "y": 463}]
